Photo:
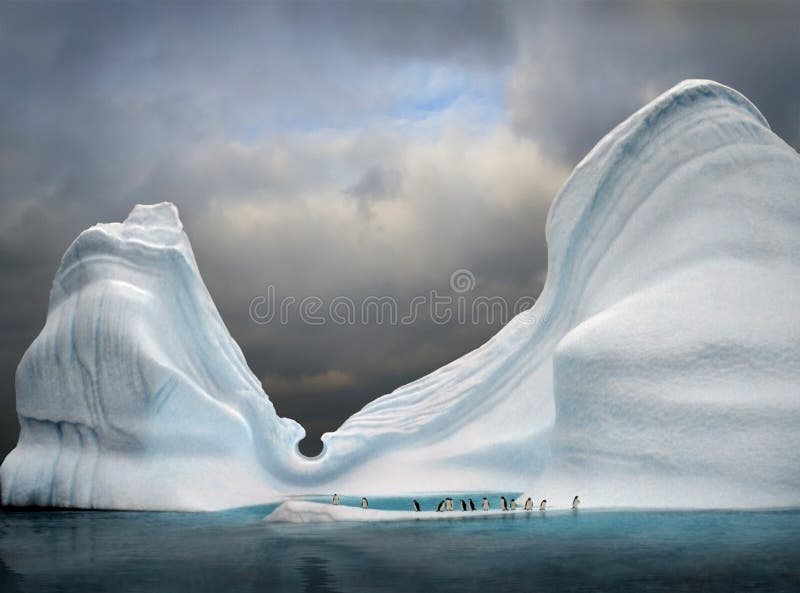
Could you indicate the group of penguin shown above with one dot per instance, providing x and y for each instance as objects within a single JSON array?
[
  {"x": 364, "y": 501},
  {"x": 447, "y": 504}
]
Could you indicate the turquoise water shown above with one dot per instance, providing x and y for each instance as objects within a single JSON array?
[{"x": 236, "y": 551}]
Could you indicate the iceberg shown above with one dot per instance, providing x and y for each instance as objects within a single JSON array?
[{"x": 659, "y": 367}]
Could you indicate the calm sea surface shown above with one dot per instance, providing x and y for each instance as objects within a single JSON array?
[{"x": 237, "y": 551}]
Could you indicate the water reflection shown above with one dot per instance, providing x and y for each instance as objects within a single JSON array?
[{"x": 315, "y": 576}]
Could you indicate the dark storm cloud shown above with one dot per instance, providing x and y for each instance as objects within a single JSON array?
[
  {"x": 583, "y": 67},
  {"x": 337, "y": 149},
  {"x": 474, "y": 32},
  {"x": 376, "y": 183}
]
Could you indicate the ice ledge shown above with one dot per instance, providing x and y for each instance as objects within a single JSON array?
[{"x": 303, "y": 511}]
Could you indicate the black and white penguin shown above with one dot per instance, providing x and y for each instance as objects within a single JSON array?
[
  {"x": 416, "y": 505},
  {"x": 364, "y": 502},
  {"x": 543, "y": 504},
  {"x": 528, "y": 504},
  {"x": 471, "y": 505},
  {"x": 463, "y": 505},
  {"x": 440, "y": 507},
  {"x": 485, "y": 504},
  {"x": 513, "y": 504},
  {"x": 335, "y": 499},
  {"x": 503, "y": 503},
  {"x": 575, "y": 502},
  {"x": 448, "y": 504}
]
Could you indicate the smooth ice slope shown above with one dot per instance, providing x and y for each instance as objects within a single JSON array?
[
  {"x": 659, "y": 366},
  {"x": 678, "y": 380}
]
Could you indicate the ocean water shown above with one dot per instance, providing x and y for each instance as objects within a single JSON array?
[{"x": 234, "y": 551}]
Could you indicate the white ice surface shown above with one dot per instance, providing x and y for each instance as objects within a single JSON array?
[{"x": 659, "y": 367}]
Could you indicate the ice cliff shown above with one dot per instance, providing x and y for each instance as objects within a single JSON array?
[{"x": 659, "y": 366}]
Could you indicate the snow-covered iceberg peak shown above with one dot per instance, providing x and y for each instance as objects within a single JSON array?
[
  {"x": 659, "y": 366},
  {"x": 134, "y": 395}
]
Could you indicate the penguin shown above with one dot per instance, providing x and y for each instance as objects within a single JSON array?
[
  {"x": 463, "y": 505},
  {"x": 471, "y": 505},
  {"x": 335, "y": 499},
  {"x": 449, "y": 504},
  {"x": 440, "y": 507},
  {"x": 364, "y": 502},
  {"x": 513, "y": 504},
  {"x": 416, "y": 505},
  {"x": 543, "y": 504},
  {"x": 575, "y": 502},
  {"x": 485, "y": 504},
  {"x": 528, "y": 504},
  {"x": 503, "y": 503}
]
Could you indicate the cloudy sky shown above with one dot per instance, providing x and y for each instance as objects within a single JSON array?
[{"x": 338, "y": 150}]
